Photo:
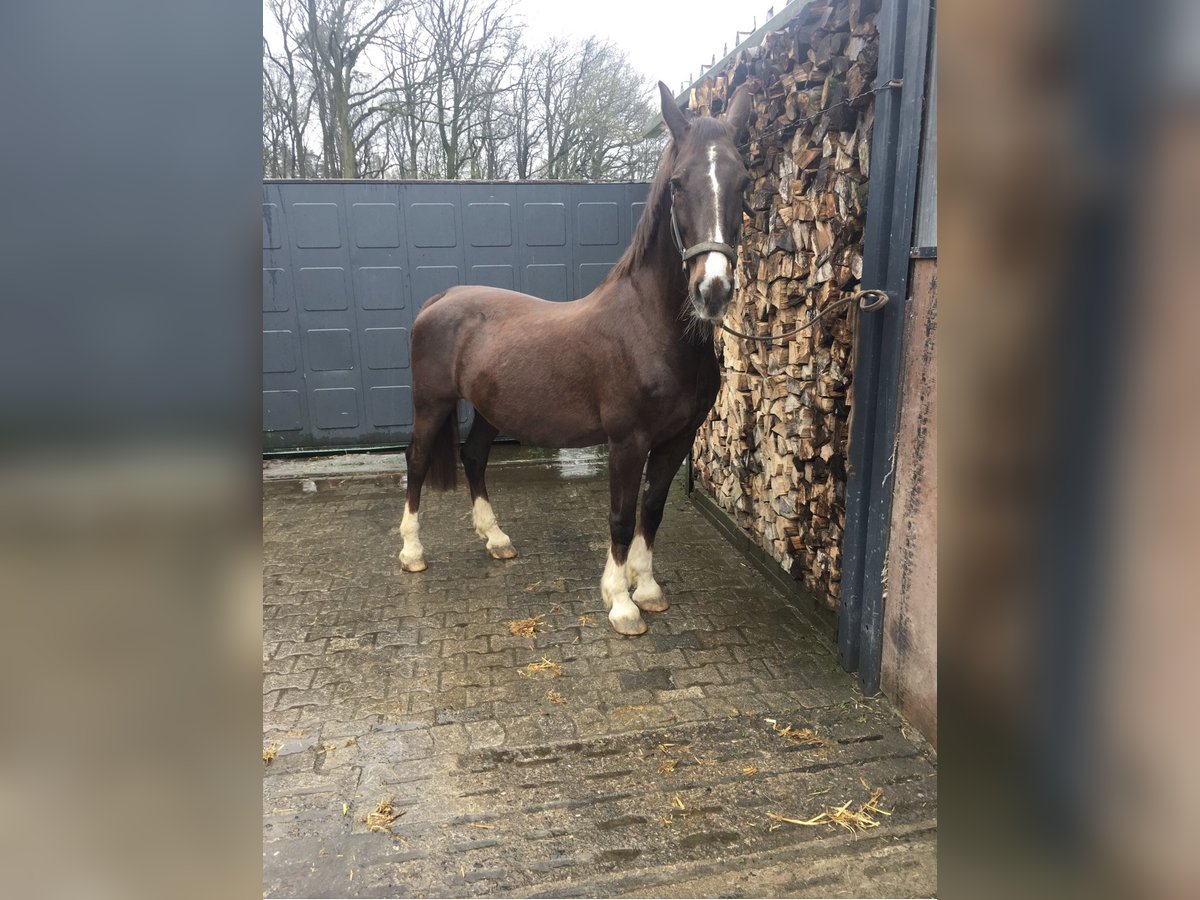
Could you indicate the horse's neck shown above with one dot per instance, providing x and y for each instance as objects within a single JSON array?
[{"x": 660, "y": 274}]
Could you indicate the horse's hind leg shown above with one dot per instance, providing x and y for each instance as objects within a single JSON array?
[
  {"x": 432, "y": 447},
  {"x": 475, "y": 451},
  {"x": 660, "y": 470}
]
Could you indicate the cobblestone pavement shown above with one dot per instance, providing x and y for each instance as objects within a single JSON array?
[{"x": 651, "y": 766}]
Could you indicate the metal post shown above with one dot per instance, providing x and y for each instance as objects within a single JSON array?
[{"x": 895, "y": 153}]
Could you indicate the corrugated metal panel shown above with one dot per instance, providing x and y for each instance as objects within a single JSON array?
[{"x": 347, "y": 265}]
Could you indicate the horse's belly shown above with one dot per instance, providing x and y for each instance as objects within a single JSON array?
[{"x": 544, "y": 423}]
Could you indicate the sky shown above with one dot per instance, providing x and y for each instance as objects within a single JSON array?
[{"x": 666, "y": 40}]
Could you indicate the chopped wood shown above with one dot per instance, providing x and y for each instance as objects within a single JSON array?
[{"x": 773, "y": 451}]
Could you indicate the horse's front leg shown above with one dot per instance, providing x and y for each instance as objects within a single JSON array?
[
  {"x": 660, "y": 471},
  {"x": 626, "y": 460}
]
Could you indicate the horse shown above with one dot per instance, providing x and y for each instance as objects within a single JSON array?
[{"x": 631, "y": 365}]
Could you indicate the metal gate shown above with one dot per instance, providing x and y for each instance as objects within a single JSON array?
[{"x": 348, "y": 264}]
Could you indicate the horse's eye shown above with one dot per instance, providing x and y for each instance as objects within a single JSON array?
[{"x": 677, "y": 185}]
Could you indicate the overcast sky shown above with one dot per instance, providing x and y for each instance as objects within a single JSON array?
[{"x": 666, "y": 40}]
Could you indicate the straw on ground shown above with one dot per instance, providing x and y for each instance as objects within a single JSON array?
[
  {"x": 525, "y": 627},
  {"x": 382, "y": 817},
  {"x": 853, "y": 820}
]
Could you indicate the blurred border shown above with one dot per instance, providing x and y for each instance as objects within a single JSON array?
[
  {"x": 1069, "y": 143},
  {"x": 129, "y": 465}
]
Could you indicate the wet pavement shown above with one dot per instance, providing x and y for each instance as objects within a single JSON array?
[{"x": 659, "y": 765}]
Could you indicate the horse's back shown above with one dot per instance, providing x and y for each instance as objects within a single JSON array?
[{"x": 466, "y": 299}]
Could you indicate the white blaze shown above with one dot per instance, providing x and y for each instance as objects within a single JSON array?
[{"x": 716, "y": 265}]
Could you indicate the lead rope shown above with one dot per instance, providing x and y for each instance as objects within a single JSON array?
[{"x": 861, "y": 297}]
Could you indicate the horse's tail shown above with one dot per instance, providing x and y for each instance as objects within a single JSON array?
[{"x": 443, "y": 454}]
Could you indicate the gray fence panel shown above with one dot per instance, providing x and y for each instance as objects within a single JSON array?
[{"x": 347, "y": 265}]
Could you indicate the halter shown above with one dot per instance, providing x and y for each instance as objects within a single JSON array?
[{"x": 697, "y": 249}]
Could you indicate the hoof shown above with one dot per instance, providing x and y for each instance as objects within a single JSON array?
[
  {"x": 508, "y": 551},
  {"x": 414, "y": 565},
  {"x": 651, "y": 600},
  {"x": 630, "y": 625}
]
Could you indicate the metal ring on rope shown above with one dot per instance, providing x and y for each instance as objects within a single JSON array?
[{"x": 879, "y": 300}]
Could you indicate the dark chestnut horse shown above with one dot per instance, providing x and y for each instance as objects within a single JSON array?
[{"x": 630, "y": 365}]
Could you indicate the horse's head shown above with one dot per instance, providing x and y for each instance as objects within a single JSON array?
[{"x": 708, "y": 181}]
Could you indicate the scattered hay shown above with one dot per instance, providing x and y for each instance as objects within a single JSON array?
[
  {"x": 679, "y": 802},
  {"x": 481, "y": 825},
  {"x": 326, "y": 748},
  {"x": 556, "y": 608},
  {"x": 270, "y": 752},
  {"x": 792, "y": 735},
  {"x": 853, "y": 820},
  {"x": 532, "y": 587},
  {"x": 545, "y": 665},
  {"x": 382, "y": 817},
  {"x": 555, "y": 697},
  {"x": 750, "y": 770},
  {"x": 665, "y": 821},
  {"x": 668, "y": 765},
  {"x": 586, "y": 620},
  {"x": 345, "y": 808},
  {"x": 525, "y": 627}
]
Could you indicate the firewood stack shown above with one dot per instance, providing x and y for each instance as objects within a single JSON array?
[{"x": 773, "y": 451}]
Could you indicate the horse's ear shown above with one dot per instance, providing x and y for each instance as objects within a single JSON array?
[
  {"x": 671, "y": 114},
  {"x": 740, "y": 108}
]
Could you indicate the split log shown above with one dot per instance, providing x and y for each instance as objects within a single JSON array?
[{"x": 773, "y": 450}]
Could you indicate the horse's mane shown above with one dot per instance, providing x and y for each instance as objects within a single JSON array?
[
  {"x": 657, "y": 209},
  {"x": 658, "y": 200}
]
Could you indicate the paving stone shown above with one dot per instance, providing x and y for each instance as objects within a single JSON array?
[
  {"x": 380, "y": 685},
  {"x": 654, "y": 679}
]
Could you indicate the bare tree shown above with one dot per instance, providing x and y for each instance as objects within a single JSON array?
[
  {"x": 284, "y": 77},
  {"x": 520, "y": 110},
  {"x": 339, "y": 35},
  {"x": 470, "y": 45},
  {"x": 444, "y": 88}
]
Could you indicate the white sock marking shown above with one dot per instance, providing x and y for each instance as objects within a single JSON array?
[
  {"x": 614, "y": 588},
  {"x": 412, "y": 551},
  {"x": 485, "y": 525},
  {"x": 640, "y": 567}
]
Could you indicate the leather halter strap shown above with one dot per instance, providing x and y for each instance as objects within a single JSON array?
[{"x": 696, "y": 249}]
